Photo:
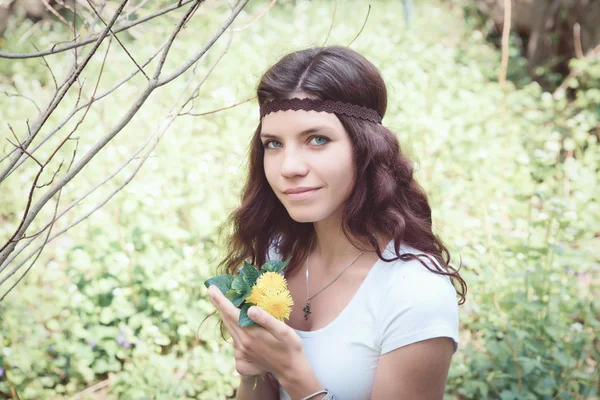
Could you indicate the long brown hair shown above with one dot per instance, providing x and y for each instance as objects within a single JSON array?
[{"x": 386, "y": 198}]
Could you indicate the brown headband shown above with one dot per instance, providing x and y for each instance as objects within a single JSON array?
[{"x": 330, "y": 106}]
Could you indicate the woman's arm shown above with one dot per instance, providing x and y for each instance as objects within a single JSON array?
[
  {"x": 414, "y": 372},
  {"x": 264, "y": 390},
  {"x": 300, "y": 381}
]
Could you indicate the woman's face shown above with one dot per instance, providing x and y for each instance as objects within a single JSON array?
[{"x": 308, "y": 150}]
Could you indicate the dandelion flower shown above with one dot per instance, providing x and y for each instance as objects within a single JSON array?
[
  {"x": 255, "y": 295},
  {"x": 278, "y": 304},
  {"x": 271, "y": 282}
]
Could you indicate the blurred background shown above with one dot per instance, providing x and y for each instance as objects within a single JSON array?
[{"x": 120, "y": 160}]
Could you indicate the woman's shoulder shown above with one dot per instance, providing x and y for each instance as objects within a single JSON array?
[{"x": 414, "y": 274}]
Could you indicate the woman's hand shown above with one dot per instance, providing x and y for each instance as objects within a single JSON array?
[{"x": 270, "y": 346}]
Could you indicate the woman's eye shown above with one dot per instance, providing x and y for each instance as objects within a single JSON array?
[
  {"x": 315, "y": 140},
  {"x": 268, "y": 142},
  {"x": 319, "y": 140}
]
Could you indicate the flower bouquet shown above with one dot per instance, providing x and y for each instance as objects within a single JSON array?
[{"x": 266, "y": 289}]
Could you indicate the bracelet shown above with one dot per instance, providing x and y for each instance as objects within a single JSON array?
[{"x": 328, "y": 395}]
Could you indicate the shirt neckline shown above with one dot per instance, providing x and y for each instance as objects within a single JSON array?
[{"x": 352, "y": 300}]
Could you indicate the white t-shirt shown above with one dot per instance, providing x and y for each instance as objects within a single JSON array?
[{"x": 398, "y": 303}]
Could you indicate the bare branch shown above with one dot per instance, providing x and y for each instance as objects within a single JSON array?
[
  {"x": 56, "y": 14},
  {"x": 44, "y": 117},
  {"x": 363, "y": 27},
  {"x": 20, "y": 231},
  {"x": 118, "y": 40},
  {"x": 86, "y": 110},
  {"x": 169, "y": 118},
  {"x": 75, "y": 110},
  {"x": 55, "y": 217},
  {"x": 257, "y": 17},
  {"x": 135, "y": 9},
  {"x": 93, "y": 39},
  {"x": 41, "y": 248},
  {"x": 31, "y": 30},
  {"x": 25, "y": 97},
  {"x": 49, "y": 69},
  {"x": 75, "y": 35},
  {"x": 207, "y": 46},
  {"x": 218, "y": 109},
  {"x": 95, "y": 20},
  {"x": 332, "y": 21},
  {"x": 153, "y": 84},
  {"x": 20, "y": 146},
  {"x": 182, "y": 22},
  {"x": 51, "y": 180}
]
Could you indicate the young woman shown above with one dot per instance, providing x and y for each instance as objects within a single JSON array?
[{"x": 375, "y": 311}]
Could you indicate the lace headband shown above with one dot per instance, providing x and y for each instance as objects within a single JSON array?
[{"x": 330, "y": 106}]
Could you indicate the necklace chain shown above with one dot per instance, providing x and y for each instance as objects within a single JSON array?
[{"x": 308, "y": 296}]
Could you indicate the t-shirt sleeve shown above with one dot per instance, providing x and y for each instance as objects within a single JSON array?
[{"x": 419, "y": 305}]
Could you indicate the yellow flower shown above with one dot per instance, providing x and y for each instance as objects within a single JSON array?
[
  {"x": 271, "y": 282},
  {"x": 278, "y": 304},
  {"x": 255, "y": 295}
]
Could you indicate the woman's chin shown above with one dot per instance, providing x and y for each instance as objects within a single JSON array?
[{"x": 304, "y": 217}]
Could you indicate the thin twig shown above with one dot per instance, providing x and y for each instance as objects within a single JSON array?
[
  {"x": 49, "y": 69},
  {"x": 363, "y": 27},
  {"x": 75, "y": 110},
  {"x": 165, "y": 52},
  {"x": 256, "y": 18},
  {"x": 68, "y": 83},
  {"x": 118, "y": 40},
  {"x": 25, "y": 97},
  {"x": 20, "y": 231},
  {"x": 169, "y": 118},
  {"x": 20, "y": 146},
  {"x": 505, "y": 41},
  {"x": 207, "y": 46},
  {"x": 41, "y": 248},
  {"x": 51, "y": 180},
  {"x": 104, "y": 140},
  {"x": 91, "y": 40},
  {"x": 335, "y": 4},
  {"x": 53, "y": 11},
  {"x": 218, "y": 109}
]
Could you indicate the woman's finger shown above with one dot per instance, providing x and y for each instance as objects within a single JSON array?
[{"x": 223, "y": 304}]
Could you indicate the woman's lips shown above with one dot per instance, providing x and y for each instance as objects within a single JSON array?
[{"x": 302, "y": 195}]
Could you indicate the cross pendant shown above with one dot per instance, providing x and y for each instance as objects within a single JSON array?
[{"x": 307, "y": 311}]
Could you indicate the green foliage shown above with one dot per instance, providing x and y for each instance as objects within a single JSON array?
[
  {"x": 238, "y": 288},
  {"x": 244, "y": 319},
  {"x": 274, "y": 266},
  {"x": 512, "y": 174},
  {"x": 223, "y": 282}
]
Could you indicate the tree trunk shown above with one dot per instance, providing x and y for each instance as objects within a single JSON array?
[{"x": 548, "y": 27}]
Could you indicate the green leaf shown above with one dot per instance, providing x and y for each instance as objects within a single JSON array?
[
  {"x": 239, "y": 290},
  {"x": 274, "y": 266},
  {"x": 240, "y": 285},
  {"x": 236, "y": 298},
  {"x": 223, "y": 282},
  {"x": 244, "y": 319},
  {"x": 250, "y": 272}
]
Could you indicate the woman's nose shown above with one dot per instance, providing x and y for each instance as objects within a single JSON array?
[{"x": 293, "y": 164}]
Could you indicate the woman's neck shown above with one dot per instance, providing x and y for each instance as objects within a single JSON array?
[{"x": 332, "y": 248}]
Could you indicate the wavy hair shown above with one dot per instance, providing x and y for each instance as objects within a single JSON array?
[{"x": 386, "y": 198}]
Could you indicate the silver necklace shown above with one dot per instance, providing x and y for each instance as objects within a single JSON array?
[{"x": 306, "y": 308}]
